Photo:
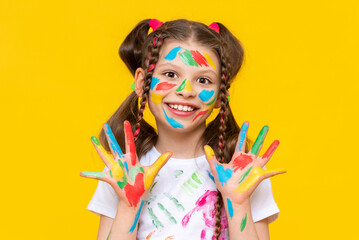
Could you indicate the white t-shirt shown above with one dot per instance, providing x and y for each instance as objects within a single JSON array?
[{"x": 181, "y": 203}]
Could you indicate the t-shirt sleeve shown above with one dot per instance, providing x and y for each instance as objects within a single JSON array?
[
  {"x": 104, "y": 201},
  {"x": 263, "y": 204}
]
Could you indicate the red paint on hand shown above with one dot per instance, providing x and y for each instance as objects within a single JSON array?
[
  {"x": 130, "y": 143},
  {"x": 241, "y": 162},
  {"x": 199, "y": 114},
  {"x": 165, "y": 86},
  {"x": 134, "y": 192},
  {"x": 199, "y": 58},
  {"x": 271, "y": 149}
]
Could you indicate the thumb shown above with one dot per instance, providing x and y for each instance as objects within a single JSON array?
[
  {"x": 211, "y": 158},
  {"x": 152, "y": 171}
]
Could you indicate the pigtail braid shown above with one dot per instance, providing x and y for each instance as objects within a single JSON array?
[
  {"x": 224, "y": 86},
  {"x": 150, "y": 62}
]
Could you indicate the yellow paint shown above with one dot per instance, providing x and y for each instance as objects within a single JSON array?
[
  {"x": 253, "y": 177},
  {"x": 156, "y": 98},
  {"x": 151, "y": 172},
  {"x": 116, "y": 169},
  {"x": 210, "y": 61},
  {"x": 209, "y": 151},
  {"x": 187, "y": 86}
]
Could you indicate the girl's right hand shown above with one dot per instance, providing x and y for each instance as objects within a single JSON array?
[{"x": 130, "y": 180}]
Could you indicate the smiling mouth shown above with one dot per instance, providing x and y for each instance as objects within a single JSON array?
[{"x": 183, "y": 108}]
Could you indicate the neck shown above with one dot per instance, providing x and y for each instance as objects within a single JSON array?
[{"x": 181, "y": 144}]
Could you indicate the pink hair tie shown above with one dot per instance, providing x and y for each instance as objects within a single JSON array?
[
  {"x": 214, "y": 26},
  {"x": 154, "y": 24}
]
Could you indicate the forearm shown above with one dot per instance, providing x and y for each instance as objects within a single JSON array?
[
  {"x": 125, "y": 224},
  {"x": 240, "y": 222}
]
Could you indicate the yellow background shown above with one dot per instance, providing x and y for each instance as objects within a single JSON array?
[{"x": 61, "y": 78}]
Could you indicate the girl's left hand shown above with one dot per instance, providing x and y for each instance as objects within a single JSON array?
[{"x": 239, "y": 178}]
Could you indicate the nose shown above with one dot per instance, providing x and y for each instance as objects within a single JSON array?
[{"x": 185, "y": 89}]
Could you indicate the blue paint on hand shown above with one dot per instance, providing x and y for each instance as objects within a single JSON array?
[
  {"x": 172, "y": 54},
  {"x": 126, "y": 166},
  {"x": 136, "y": 218},
  {"x": 223, "y": 175},
  {"x": 242, "y": 136},
  {"x": 172, "y": 122},
  {"x": 205, "y": 95},
  {"x": 230, "y": 207},
  {"x": 210, "y": 176},
  {"x": 154, "y": 82},
  {"x": 113, "y": 143}
]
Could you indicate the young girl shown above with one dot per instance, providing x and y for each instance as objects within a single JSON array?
[{"x": 189, "y": 181}]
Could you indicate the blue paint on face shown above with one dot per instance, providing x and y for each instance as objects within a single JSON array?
[
  {"x": 133, "y": 227},
  {"x": 172, "y": 54},
  {"x": 154, "y": 82},
  {"x": 223, "y": 175},
  {"x": 242, "y": 136},
  {"x": 126, "y": 166},
  {"x": 172, "y": 122},
  {"x": 113, "y": 143},
  {"x": 230, "y": 207},
  {"x": 210, "y": 176},
  {"x": 205, "y": 95}
]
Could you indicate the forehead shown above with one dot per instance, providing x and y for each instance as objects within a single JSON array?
[{"x": 191, "y": 46}]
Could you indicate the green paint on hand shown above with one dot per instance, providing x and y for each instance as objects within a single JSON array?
[
  {"x": 178, "y": 173},
  {"x": 181, "y": 87},
  {"x": 95, "y": 140},
  {"x": 175, "y": 201},
  {"x": 244, "y": 175},
  {"x": 123, "y": 183},
  {"x": 153, "y": 186},
  {"x": 141, "y": 168},
  {"x": 108, "y": 237},
  {"x": 169, "y": 215},
  {"x": 243, "y": 223},
  {"x": 95, "y": 174},
  {"x": 195, "y": 178},
  {"x": 259, "y": 141},
  {"x": 157, "y": 223},
  {"x": 133, "y": 172},
  {"x": 187, "y": 58}
]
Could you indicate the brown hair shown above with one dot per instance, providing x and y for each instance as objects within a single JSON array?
[{"x": 141, "y": 49}]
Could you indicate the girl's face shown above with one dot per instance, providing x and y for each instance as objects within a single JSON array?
[{"x": 184, "y": 86}]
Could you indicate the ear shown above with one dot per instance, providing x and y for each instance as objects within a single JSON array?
[
  {"x": 217, "y": 104},
  {"x": 139, "y": 80}
]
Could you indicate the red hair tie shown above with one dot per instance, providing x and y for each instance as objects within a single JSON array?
[
  {"x": 155, "y": 23},
  {"x": 214, "y": 26}
]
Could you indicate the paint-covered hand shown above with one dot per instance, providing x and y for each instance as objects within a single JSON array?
[
  {"x": 238, "y": 179},
  {"x": 129, "y": 179}
]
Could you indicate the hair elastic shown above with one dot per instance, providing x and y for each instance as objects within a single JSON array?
[
  {"x": 214, "y": 26},
  {"x": 155, "y": 23}
]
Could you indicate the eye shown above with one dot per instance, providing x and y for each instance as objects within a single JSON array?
[
  {"x": 203, "y": 80},
  {"x": 170, "y": 74}
]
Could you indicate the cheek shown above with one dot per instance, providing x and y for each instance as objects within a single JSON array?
[
  {"x": 206, "y": 95},
  {"x": 163, "y": 86}
]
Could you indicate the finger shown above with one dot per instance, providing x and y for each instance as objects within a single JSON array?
[
  {"x": 93, "y": 175},
  {"x": 217, "y": 169},
  {"x": 209, "y": 156},
  {"x": 130, "y": 143},
  {"x": 242, "y": 137},
  {"x": 152, "y": 171},
  {"x": 259, "y": 141},
  {"x": 115, "y": 148},
  {"x": 115, "y": 169},
  {"x": 254, "y": 178},
  {"x": 268, "y": 154}
]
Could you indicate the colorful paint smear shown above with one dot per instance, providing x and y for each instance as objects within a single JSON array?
[
  {"x": 211, "y": 102},
  {"x": 154, "y": 82},
  {"x": 271, "y": 149},
  {"x": 134, "y": 225},
  {"x": 230, "y": 207},
  {"x": 172, "y": 54},
  {"x": 223, "y": 175},
  {"x": 244, "y": 175},
  {"x": 172, "y": 122},
  {"x": 133, "y": 172},
  {"x": 210, "y": 176},
  {"x": 168, "y": 214},
  {"x": 156, "y": 98},
  {"x": 149, "y": 235},
  {"x": 165, "y": 86},
  {"x": 126, "y": 167},
  {"x": 185, "y": 86},
  {"x": 242, "y": 136},
  {"x": 178, "y": 173},
  {"x": 156, "y": 222},
  {"x": 200, "y": 114},
  {"x": 199, "y": 58},
  {"x": 151, "y": 172},
  {"x": 243, "y": 222},
  {"x": 170, "y": 237},
  {"x": 205, "y": 95},
  {"x": 209, "y": 151},
  {"x": 135, "y": 191},
  {"x": 241, "y": 161},
  {"x": 94, "y": 174},
  {"x": 113, "y": 143},
  {"x": 259, "y": 141},
  {"x": 193, "y": 182},
  {"x": 130, "y": 143},
  {"x": 187, "y": 58},
  {"x": 175, "y": 202},
  {"x": 210, "y": 61}
]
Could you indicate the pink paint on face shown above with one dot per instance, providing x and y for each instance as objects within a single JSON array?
[
  {"x": 199, "y": 114},
  {"x": 165, "y": 86},
  {"x": 134, "y": 192},
  {"x": 241, "y": 162}
]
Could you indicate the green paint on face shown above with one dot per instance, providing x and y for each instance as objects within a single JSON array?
[
  {"x": 244, "y": 175},
  {"x": 195, "y": 178},
  {"x": 214, "y": 98},
  {"x": 181, "y": 87},
  {"x": 259, "y": 141},
  {"x": 95, "y": 140},
  {"x": 169, "y": 215},
  {"x": 186, "y": 57},
  {"x": 175, "y": 201},
  {"x": 157, "y": 223},
  {"x": 95, "y": 174},
  {"x": 243, "y": 223},
  {"x": 133, "y": 172}
]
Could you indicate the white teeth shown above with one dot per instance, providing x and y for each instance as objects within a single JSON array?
[{"x": 181, "y": 107}]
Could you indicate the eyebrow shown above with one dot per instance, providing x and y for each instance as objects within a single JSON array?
[{"x": 199, "y": 68}]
